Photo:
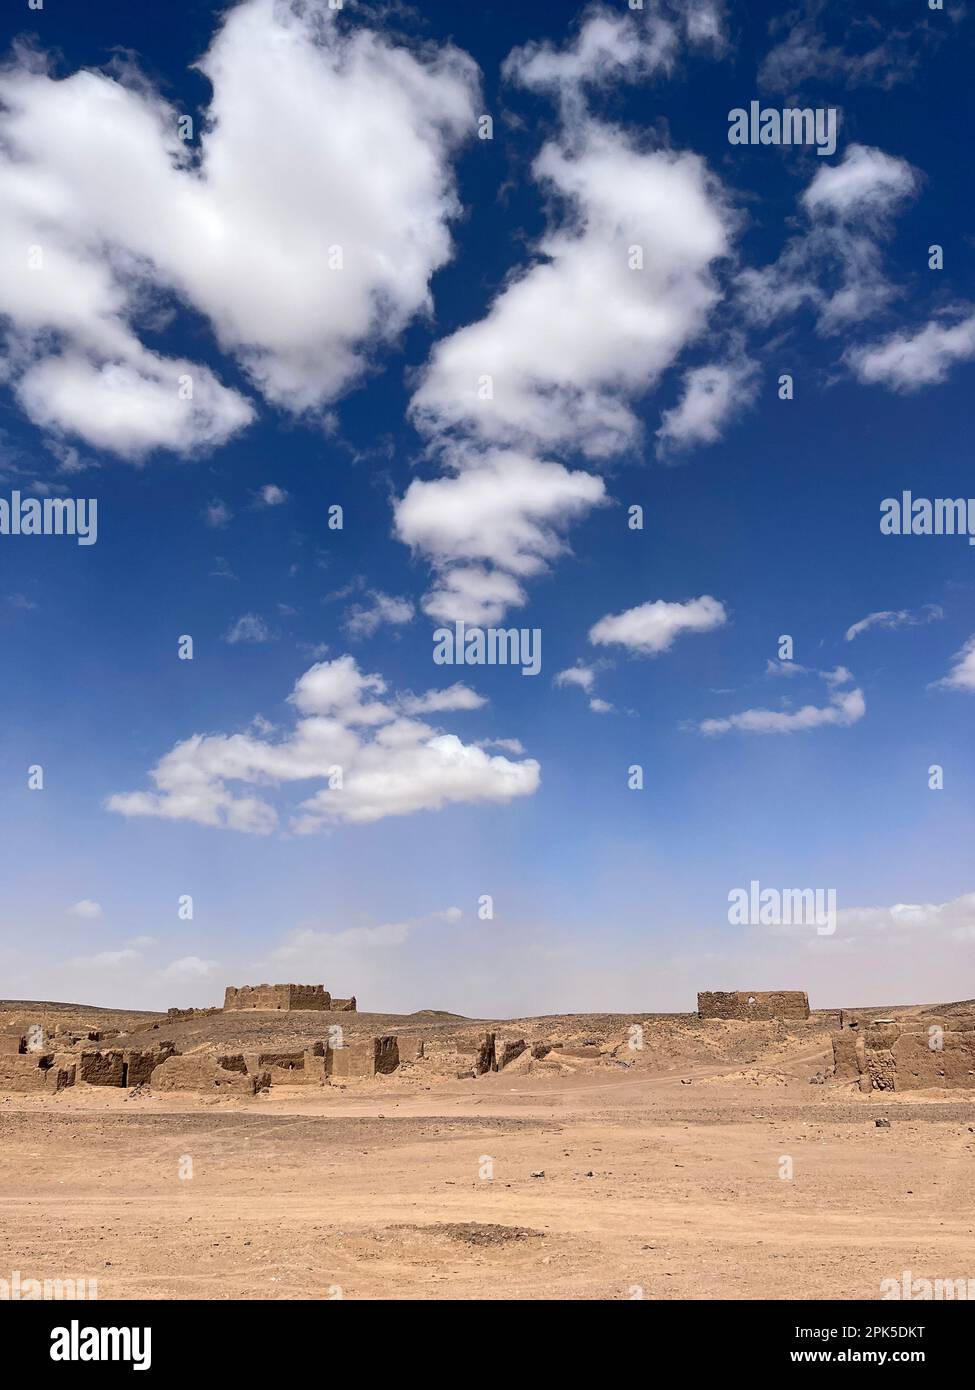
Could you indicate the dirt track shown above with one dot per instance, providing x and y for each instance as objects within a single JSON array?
[{"x": 649, "y": 1185}]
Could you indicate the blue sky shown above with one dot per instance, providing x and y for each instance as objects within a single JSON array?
[{"x": 355, "y": 385}]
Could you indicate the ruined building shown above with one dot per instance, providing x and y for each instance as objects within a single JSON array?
[
  {"x": 283, "y": 997},
  {"x": 757, "y": 1004}
]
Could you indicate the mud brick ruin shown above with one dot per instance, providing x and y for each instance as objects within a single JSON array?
[
  {"x": 906, "y": 1055},
  {"x": 277, "y": 997},
  {"x": 880, "y": 1054},
  {"x": 747, "y": 1005}
]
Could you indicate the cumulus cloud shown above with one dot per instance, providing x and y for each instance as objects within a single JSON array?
[
  {"x": 889, "y": 619},
  {"x": 352, "y": 736},
  {"x": 908, "y": 361},
  {"x": 270, "y": 495},
  {"x": 607, "y": 47},
  {"x": 711, "y": 398},
  {"x": 653, "y": 627},
  {"x": 454, "y": 697},
  {"x": 962, "y": 674},
  {"x": 304, "y": 241},
  {"x": 497, "y": 520},
  {"x": 834, "y": 265},
  {"x": 86, "y": 909},
  {"x": 619, "y": 283},
  {"x": 582, "y": 676},
  {"x": 845, "y": 707},
  {"x": 250, "y": 628},
  {"x": 866, "y": 183},
  {"x": 363, "y": 619},
  {"x": 217, "y": 514}
]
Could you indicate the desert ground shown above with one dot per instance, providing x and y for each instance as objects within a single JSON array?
[{"x": 598, "y": 1171}]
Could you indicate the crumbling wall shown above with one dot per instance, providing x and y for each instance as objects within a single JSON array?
[
  {"x": 102, "y": 1068},
  {"x": 410, "y": 1047},
  {"x": 363, "y": 1057},
  {"x": 901, "y": 1056},
  {"x": 507, "y": 1051},
  {"x": 21, "y": 1072},
  {"x": 754, "y": 1004},
  {"x": 198, "y": 1071},
  {"x": 277, "y": 997},
  {"x": 62, "y": 1072},
  {"x": 140, "y": 1062},
  {"x": 344, "y": 1006}
]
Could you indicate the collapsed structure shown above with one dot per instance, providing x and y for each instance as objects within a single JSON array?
[
  {"x": 760, "y": 1004},
  {"x": 163, "y": 1068},
  {"x": 284, "y": 997},
  {"x": 906, "y": 1055}
]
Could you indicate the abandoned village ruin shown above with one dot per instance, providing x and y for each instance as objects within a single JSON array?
[{"x": 881, "y": 1054}]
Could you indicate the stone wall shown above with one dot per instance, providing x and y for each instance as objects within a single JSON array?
[
  {"x": 277, "y": 997},
  {"x": 363, "y": 1057},
  {"x": 911, "y": 1055},
  {"x": 754, "y": 1004}
]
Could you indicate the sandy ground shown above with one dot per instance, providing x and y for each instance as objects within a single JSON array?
[{"x": 597, "y": 1185}]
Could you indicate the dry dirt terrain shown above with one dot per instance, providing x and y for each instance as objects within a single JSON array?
[{"x": 656, "y": 1172}]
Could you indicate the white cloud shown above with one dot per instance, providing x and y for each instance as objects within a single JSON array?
[
  {"x": 305, "y": 240},
  {"x": 834, "y": 266},
  {"x": 362, "y": 620},
  {"x": 712, "y": 397},
  {"x": 908, "y": 361},
  {"x": 866, "y": 182},
  {"x": 270, "y": 495},
  {"x": 608, "y": 47},
  {"x": 620, "y": 282},
  {"x": 890, "y": 619},
  {"x": 805, "y": 54},
  {"x": 962, "y": 674},
  {"x": 569, "y": 343},
  {"x": 453, "y": 697},
  {"x": 785, "y": 668},
  {"x": 955, "y": 919},
  {"x": 217, "y": 514},
  {"x": 312, "y": 947},
  {"x": 390, "y": 764},
  {"x": 106, "y": 960},
  {"x": 497, "y": 521},
  {"x": 251, "y": 628},
  {"x": 844, "y": 708},
  {"x": 86, "y": 909},
  {"x": 189, "y": 968},
  {"x": 133, "y": 406},
  {"x": 600, "y": 706},
  {"x": 580, "y": 675},
  {"x": 653, "y": 627}
]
